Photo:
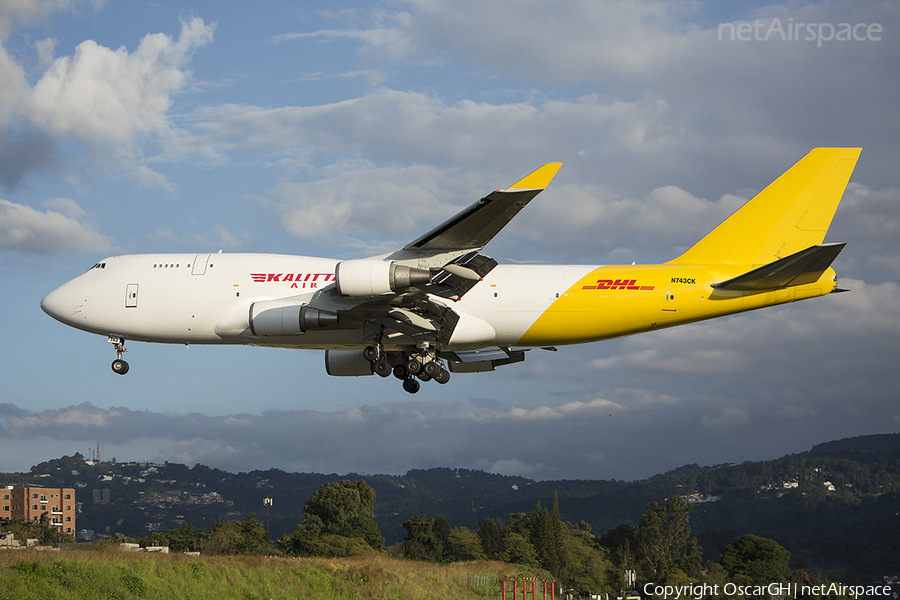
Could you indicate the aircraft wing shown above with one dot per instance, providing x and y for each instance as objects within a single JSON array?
[
  {"x": 411, "y": 291},
  {"x": 475, "y": 226}
]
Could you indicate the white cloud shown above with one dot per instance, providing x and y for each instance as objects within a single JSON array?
[
  {"x": 66, "y": 206},
  {"x": 13, "y": 11},
  {"x": 577, "y": 409},
  {"x": 728, "y": 418},
  {"x": 386, "y": 40},
  {"x": 368, "y": 202},
  {"x": 106, "y": 97},
  {"x": 693, "y": 360},
  {"x": 555, "y": 41},
  {"x": 46, "y": 49},
  {"x": 13, "y": 86},
  {"x": 26, "y": 229}
]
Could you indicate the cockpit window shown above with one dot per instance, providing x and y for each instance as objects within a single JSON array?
[{"x": 99, "y": 266}]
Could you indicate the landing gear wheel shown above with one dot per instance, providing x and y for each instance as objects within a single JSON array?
[
  {"x": 442, "y": 377},
  {"x": 119, "y": 366},
  {"x": 413, "y": 366},
  {"x": 431, "y": 369},
  {"x": 424, "y": 376},
  {"x": 382, "y": 368},
  {"x": 370, "y": 353},
  {"x": 410, "y": 385},
  {"x": 400, "y": 372}
]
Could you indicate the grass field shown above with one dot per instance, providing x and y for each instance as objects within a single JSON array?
[{"x": 118, "y": 575}]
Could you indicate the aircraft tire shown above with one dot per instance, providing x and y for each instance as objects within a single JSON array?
[
  {"x": 382, "y": 368},
  {"x": 413, "y": 366},
  {"x": 431, "y": 369},
  {"x": 411, "y": 385},
  {"x": 119, "y": 366},
  {"x": 370, "y": 353},
  {"x": 442, "y": 377},
  {"x": 400, "y": 372}
]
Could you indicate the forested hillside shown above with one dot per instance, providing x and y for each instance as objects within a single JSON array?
[{"x": 835, "y": 507}]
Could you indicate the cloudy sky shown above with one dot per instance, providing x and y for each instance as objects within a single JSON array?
[{"x": 346, "y": 129}]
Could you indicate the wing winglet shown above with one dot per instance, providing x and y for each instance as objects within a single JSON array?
[{"x": 539, "y": 179}]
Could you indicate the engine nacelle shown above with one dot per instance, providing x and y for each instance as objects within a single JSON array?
[
  {"x": 364, "y": 278},
  {"x": 277, "y": 318},
  {"x": 347, "y": 363}
]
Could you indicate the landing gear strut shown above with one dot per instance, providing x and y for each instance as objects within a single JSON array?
[
  {"x": 410, "y": 367},
  {"x": 119, "y": 366}
]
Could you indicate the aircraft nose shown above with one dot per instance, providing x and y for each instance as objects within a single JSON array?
[{"x": 61, "y": 304}]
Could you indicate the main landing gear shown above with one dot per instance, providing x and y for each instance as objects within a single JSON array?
[
  {"x": 119, "y": 366},
  {"x": 409, "y": 367}
]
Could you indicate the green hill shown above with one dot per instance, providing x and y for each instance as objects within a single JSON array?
[{"x": 833, "y": 507}]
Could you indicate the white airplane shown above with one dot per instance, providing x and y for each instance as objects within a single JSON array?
[{"x": 438, "y": 305}]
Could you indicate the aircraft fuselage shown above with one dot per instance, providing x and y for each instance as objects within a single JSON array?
[{"x": 207, "y": 299}]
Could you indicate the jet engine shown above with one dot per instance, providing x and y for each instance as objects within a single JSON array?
[
  {"x": 363, "y": 278},
  {"x": 347, "y": 363},
  {"x": 276, "y": 318}
]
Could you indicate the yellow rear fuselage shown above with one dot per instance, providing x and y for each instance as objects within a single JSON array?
[{"x": 615, "y": 301}]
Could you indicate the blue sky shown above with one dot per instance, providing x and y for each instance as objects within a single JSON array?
[{"x": 346, "y": 129}]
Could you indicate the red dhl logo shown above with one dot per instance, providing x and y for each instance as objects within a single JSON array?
[{"x": 618, "y": 284}]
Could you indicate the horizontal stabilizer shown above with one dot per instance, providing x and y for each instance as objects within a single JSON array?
[{"x": 800, "y": 268}]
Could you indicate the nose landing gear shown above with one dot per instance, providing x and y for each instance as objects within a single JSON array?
[{"x": 119, "y": 366}]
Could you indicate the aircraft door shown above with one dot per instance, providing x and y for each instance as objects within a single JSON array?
[
  {"x": 131, "y": 295},
  {"x": 199, "y": 266},
  {"x": 670, "y": 304}
]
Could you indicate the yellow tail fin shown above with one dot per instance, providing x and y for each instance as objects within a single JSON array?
[{"x": 790, "y": 215}]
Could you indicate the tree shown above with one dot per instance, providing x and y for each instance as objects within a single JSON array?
[
  {"x": 620, "y": 543},
  {"x": 518, "y": 551},
  {"x": 305, "y": 540},
  {"x": 559, "y": 533},
  {"x": 586, "y": 568},
  {"x": 541, "y": 536},
  {"x": 490, "y": 533},
  {"x": 238, "y": 537},
  {"x": 463, "y": 545},
  {"x": 421, "y": 541},
  {"x": 441, "y": 527},
  {"x": 664, "y": 540},
  {"x": 41, "y": 530},
  {"x": 346, "y": 509},
  {"x": 757, "y": 560},
  {"x": 183, "y": 539}
]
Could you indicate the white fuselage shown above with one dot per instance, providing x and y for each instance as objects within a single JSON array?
[{"x": 207, "y": 298}]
